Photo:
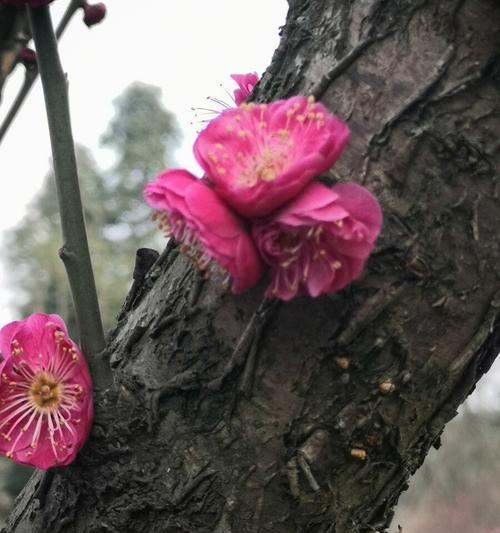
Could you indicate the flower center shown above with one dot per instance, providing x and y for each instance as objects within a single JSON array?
[
  {"x": 262, "y": 150},
  {"x": 45, "y": 391},
  {"x": 267, "y": 167},
  {"x": 294, "y": 244},
  {"x": 291, "y": 241},
  {"x": 272, "y": 160}
]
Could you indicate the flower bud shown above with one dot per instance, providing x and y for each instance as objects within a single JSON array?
[
  {"x": 27, "y": 57},
  {"x": 93, "y": 13}
]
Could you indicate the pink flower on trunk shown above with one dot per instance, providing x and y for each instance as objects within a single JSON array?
[
  {"x": 46, "y": 404},
  {"x": 320, "y": 241},
  {"x": 190, "y": 212},
  {"x": 246, "y": 83},
  {"x": 259, "y": 156}
]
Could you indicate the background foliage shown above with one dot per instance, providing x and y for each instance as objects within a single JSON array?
[{"x": 143, "y": 136}]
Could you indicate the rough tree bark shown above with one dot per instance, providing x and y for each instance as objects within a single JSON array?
[{"x": 339, "y": 398}]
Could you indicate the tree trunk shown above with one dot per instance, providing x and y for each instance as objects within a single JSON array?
[{"x": 226, "y": 415}]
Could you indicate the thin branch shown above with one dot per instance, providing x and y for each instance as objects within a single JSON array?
[
  {"x": 31, "y": 74},
  {"x": 75, "y": 252},
  {"x": 341, "y": 66},
  {"x": 68, "y": 15}
]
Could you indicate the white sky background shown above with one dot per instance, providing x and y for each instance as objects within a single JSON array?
[{"x": 186, "y": 48}]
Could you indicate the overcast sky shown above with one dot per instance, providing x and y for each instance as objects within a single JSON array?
[{"x": 186, "y": 48}]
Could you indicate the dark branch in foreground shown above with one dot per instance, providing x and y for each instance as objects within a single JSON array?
[{"x": 74, "y": 252}]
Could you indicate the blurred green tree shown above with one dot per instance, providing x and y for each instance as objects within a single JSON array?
[{"x": 143, "y": 136}]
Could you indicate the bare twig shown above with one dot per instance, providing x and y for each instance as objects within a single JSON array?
[
  {"x": 247, "y": 346},
  {"x": 75, "y": 252},
  {"x": 31, "y": 74},
  {"x": 68, "y": 15}
]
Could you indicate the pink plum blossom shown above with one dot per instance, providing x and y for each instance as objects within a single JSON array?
[
  {"x": 210, "y": 233},
  {"x": 320, "y": 241},
  {"x": 259, "y": 156},
  {"x": 46, "y": 406},
  {"x": 246, "y": 84}
]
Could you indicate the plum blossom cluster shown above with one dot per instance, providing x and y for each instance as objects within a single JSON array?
[
  {"x": 258, "y": 207},
  {"x": 46, "y": 406}
]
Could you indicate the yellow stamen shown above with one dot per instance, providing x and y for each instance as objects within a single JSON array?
[{"x": 46, "y": 391}]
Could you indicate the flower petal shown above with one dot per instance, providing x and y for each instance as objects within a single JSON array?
[
  {"x": 246, "y": 83},
  {"x": 361, "y": 205},
  {"x": 223, "y": 237}
]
